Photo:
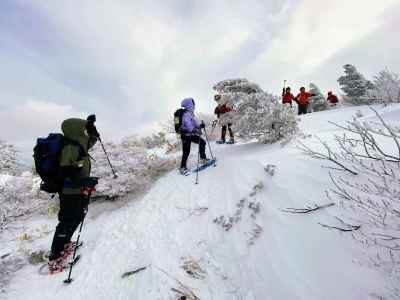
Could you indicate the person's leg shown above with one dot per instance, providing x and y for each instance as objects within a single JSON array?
[
  {"x": 67, "y": 217},
  {"x": 79, "y": 214},
  {"x": 299, "y": 110},
  {"x": 202, "y": 145},
  {"x": 185, "y": 150},
  {"x": 223, "y": 133},
  {"x": 231, "y": 132},
  {"x": 302, "y": 109}
]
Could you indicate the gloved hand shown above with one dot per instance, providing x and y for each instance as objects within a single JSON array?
[
  {"x": 91, "y": 119},
  {"x": 202, "y": 125},
  {"x": 90, "y": 127},
  {"x": 89, "y": 182}
]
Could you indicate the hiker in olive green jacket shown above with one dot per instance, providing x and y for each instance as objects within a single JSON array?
[{"x": 76, "y": 185}]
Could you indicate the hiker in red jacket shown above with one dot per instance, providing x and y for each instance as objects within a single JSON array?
[
  {"x": 332, "y": 99},
  {"x": 220, "y": 110},
  {"x": 287, "y": 96},
  {"x": 303, "y": 100}
]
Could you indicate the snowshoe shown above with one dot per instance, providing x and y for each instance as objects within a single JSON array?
[
  {"x": 230, "y": 142},
  {"x": 205, "y": 163},
  {"x": 220, "y": 142},
  {"x": 60, "y": 264},
  {"x": 57, "y": 265}
]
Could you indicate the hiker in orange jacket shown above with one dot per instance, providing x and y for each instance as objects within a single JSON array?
[{"x": 303, "y": 100}]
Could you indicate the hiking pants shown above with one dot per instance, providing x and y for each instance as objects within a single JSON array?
[
  {"x": 302, "y": 109},
  {"x": 71, "y": 214},
  {"x": 187, "y": 140},
  {"x": 223, "y": 132}
]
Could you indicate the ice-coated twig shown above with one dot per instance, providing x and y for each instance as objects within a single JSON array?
[
  {"x": 308, "y": 209},
  {"x": 129, "y": 273}
]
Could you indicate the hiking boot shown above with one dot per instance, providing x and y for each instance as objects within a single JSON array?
[
  {"x": 221, "y": 142},
  {"x": 184, "y": 171},
  {"x": 56, "y": 265},
  {"x": 230, "y": 142}
]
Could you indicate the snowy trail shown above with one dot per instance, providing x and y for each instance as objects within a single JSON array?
[{"x": 292, "y": 258}]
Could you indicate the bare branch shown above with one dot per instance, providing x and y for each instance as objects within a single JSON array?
[
  {"x": 348, "y": 229},
  {"x": 308, "y": 209}
]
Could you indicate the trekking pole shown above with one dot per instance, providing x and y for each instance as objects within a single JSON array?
[
  {"x": 198, "y": 165},
  {"x": 213, "y": 125},
  {"x": 208, "y": 142},
  {"x": 108, "y": 159},
  {"x": 69, "y": 279}
]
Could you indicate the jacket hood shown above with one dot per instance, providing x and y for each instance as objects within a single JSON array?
[
  {"x": 75, "y": 129},
  {"x": 188, "y": 103}
]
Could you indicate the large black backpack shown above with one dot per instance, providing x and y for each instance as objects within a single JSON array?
[
  {"x": 47, "y": 154},
  {"x": 178, "y": 119}
]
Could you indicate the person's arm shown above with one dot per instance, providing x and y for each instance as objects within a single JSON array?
[
  {"x": 217, "y": 111},
  {"x": 71, "y": 165}
]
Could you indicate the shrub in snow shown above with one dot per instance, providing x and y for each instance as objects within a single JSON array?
[
  {"x": 135, "y": 167},
  {"x": 371, "y": 153},
  {"x": 387, "y": 86},
  {"x": 155, "y": 141},
  {"x": 19, "y": 195},
  {"x": 318, "y": 101},
  {"x": 257, "y": 114},
  {"x": 8, "y": 159},
  {"x": 356, "y": 87}
]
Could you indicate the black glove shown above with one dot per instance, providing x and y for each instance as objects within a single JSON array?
[
  {"x": 202, "y": 125},
  {"x": 91, "y": 119},
  {"x": 89, "y": 182},
  {"x": 92, "y": 130}
]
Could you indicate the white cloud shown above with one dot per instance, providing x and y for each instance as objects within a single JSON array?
[
  {"x": 131, "y": 62},
  {"x": 316, "y": 31},
  {"x": 34, "y": 118}
]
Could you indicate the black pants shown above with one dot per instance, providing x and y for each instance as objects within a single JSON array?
[
  {"x": 302, "y": 109},
  {"x": 71, "y": 214},
  {"x": 187, "y": 140},
  {"x": 223, "y": 132}
]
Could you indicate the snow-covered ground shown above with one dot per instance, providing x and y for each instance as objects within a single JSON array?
[{"x": 225, "y": 238}]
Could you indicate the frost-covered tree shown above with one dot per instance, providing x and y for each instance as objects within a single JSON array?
[
  {"x": 256, "y": 114},
  {"x": 356, "y": 87},
  {"x": 8, "y": 158},
  {"x": 137, "y": 167},
  {"x": 370, "y": 153},
  {"x": 318, "y": 101},
  {"x": 387, "y": 86}
]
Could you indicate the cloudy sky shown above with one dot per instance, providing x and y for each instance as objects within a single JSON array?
[{"x": 131, "y": 62}]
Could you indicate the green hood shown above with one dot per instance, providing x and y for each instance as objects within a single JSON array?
[{"x": 75, "y": 129}]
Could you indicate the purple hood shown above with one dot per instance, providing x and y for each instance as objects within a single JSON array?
[
  {"x": 188, "y": 103},
  {"x": 189, "y": 124}
]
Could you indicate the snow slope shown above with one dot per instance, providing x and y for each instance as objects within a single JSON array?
[{"x": 265, "y": 254}]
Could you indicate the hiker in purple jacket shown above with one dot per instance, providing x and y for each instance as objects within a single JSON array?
[{"x": 191, "y": 132}]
